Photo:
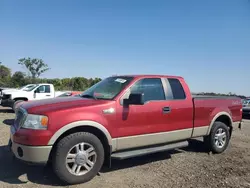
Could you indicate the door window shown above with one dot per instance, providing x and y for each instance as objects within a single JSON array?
[
  {"x": 151, "y": 88},
  {"x": 43, "y": 89}
]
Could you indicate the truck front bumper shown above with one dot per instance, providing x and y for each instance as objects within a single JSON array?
[
  {"x": 7, "y": 102},
  {"x": 30, "y": 154}
]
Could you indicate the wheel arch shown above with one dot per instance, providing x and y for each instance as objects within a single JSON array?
[
  {"x": 224, "y": 117},
  {"x": 20, "y": 98},
  {"x": 80, "y": 125},
  {"x": 85, "y": 126}
]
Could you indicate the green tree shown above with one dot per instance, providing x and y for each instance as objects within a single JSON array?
[
  {"x": 35, "y": 66},
  {"x": 5, "y": 72},
  {"x": 78, "y": 83},
  {"x": 18, "y": 79},
  {"x": 5, "y": 75},
  {"x": 67, "y": 84}
]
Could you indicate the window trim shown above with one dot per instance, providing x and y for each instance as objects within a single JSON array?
[
  {"x": 44, "y": 88},
  {"x": 169, "y": 88},
  {"x": 41, "y": 86},
  {"x": 128, "y": 89},
  {"x": 49, "y": 89}
]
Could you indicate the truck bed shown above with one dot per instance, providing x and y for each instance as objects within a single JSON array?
[
  {"x": 206, "y": 107},
  {"x": 213, "y": 97}
]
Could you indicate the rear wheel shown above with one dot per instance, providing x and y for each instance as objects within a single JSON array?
[
  {"x": 219, "y": 137},
  {"x": 78, "y": 158}
]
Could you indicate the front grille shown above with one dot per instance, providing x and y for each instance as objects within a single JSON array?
[
  {"x": 20, "y": 118},
  {"x": 6, "y": 96}
]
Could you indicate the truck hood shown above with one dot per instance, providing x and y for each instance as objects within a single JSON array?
[
  {"x": 10, "y": 91},
  {"x": 60, "y": 103},
  {"x": 17, "y": 93}
]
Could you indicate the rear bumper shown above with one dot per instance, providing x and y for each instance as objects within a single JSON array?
[
  {"x": 246, "y": 113},
  {"x": 30, "y": 154},
  {"x": 7, "y": 102}
]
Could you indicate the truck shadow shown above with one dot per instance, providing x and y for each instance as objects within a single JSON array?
[
  {"x": 138, "y": 161},
  {"x": 8, "y": 122},
  {"x": 14, "y": 172},
  {"x": 10, "y": 111},
  {"x": 246, "y": 117},
  {"x": 197, "y": 146}
]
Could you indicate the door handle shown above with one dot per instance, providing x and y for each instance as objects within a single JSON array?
[
  {"x": 48, "y": 95},
  {"x": 166, "y": 110}
]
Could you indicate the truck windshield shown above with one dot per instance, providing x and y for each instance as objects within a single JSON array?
[
  {"x": 25, "y": 88},
  {"x": 31, "y": 88},
  {"x": 108, "y": 88}
]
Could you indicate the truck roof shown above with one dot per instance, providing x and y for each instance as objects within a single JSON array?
[
  {"x": 43, "y": 84},
  {"x": 149, "y": 75}
]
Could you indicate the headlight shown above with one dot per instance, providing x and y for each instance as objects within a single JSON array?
[{"x": 37, "y": 122}]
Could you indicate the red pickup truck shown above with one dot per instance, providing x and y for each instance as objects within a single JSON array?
[{"x": 119, "y": 117}]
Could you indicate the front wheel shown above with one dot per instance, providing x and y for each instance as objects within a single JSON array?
[
  {"x": 219, "y": 138},
  {"x": 78, "y": 157}
]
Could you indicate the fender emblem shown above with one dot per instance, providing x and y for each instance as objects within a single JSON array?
[{"x": 109, "y": 111}]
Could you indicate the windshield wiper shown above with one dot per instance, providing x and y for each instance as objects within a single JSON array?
[{"x": 88, "y": 96}]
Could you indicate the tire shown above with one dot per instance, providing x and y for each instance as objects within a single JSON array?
[
  {"x": 66, "y": 145},
  {"x": 218, "y": 139},
  {"x": 14, "y": 105}
]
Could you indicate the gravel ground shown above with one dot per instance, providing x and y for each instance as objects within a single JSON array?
[{"x": 189, "y": 167}]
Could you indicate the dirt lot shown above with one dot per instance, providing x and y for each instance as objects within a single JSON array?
[{"x": 189, "y": 167}]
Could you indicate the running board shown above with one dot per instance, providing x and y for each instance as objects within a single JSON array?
[{"x": 145, "y": 151}]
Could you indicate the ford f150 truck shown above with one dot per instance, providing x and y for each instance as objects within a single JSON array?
[
  {"x": 119, "y": 117},
  {"x": 11, "y": 98}
]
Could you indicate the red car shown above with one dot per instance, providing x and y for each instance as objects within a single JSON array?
[
  {"x": 70, "y": 93},
  {"x": 120, "y": 117}
]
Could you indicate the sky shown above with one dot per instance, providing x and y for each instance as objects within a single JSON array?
[{"x": 205, "y": 42}]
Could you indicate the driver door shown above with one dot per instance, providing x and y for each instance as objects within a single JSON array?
[
  {"x": 137, "y": 124},
  {"x": 43, "y": 92}
]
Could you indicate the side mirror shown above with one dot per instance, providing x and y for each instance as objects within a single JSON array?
[
  {"x": 35, "y": 91},
  {"x": 135, "y": 99}
]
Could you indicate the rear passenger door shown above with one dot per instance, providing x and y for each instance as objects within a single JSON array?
[{"x": 180, "y": 120}]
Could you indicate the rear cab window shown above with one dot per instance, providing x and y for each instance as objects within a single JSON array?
[
  {"x": 174, "y": 89},
  {"x": 178, "y": 92}
]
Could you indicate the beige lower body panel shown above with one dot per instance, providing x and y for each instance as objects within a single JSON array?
[
  {"x": 32, "y": 154},
  {"x": 200, "y": 131},
  {"x": 151, "y": 139}
]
